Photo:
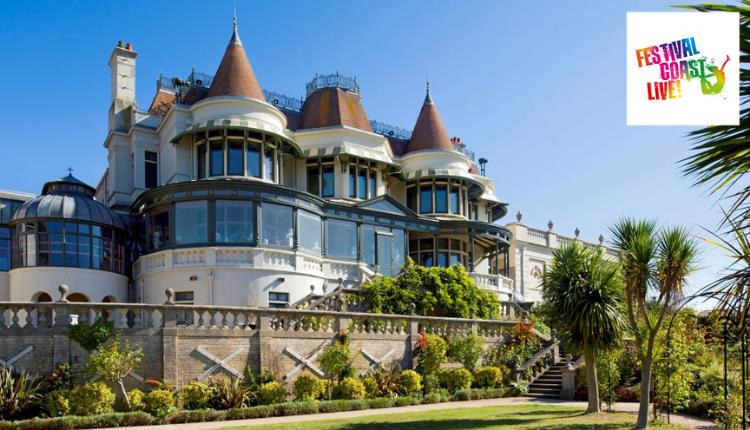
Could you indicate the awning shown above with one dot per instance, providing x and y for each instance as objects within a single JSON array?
[
  {"x": 235, "y": 123},
  {"x": 348, "y": 150}
]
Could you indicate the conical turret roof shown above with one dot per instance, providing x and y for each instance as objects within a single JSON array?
[
  {"x": 235, "y": 76},
  {"x": 429, "y": 131}
]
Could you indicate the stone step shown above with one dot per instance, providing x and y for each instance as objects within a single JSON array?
[
  {"x": 544, "y": 395},
  {"x": 546, "y": 384}
]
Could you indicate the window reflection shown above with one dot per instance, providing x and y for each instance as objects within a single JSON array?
[
  {"x": 253, "y": 160},
  {"x": 368, "y": 244},
  {"x": 234, "y": 159},
  {"x": 234, "y": 221},
  {"x": 310, "y": 231},
  {"x": 217, "y": 159},
  {"x": 425, "y": 199},
  {"x": 278, "y": 226},
  {"x": 441, "y": 198},
  {"x": 269, "y": 172},
  {"x": 342, "y": 239},
  {"x": 191, "y": 222}
]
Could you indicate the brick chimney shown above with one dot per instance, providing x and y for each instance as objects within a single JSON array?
[{"x": 122, "y": 69}]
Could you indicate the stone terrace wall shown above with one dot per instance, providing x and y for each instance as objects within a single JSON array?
[{"x": 187, "y": 343}]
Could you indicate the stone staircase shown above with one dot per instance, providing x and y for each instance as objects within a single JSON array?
[{"x": 549, "y": 383}]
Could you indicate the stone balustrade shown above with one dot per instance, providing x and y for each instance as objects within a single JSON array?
[
  {"x": 247, "y": 257},
  {"x": 183, "y": 343}
]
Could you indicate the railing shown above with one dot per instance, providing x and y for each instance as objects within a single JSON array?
[
  {"x": 283, "y": 101},
  {"x": 255, "y": 257},
  {"x": 35, "y": 316},
  {"x": 539, "y": 362},
  {"x": 462, "y": 149},
  {"x": 334, "y": 80},
  {"x": 388, "y": 130},
  {"x": 493, "y": 282}
]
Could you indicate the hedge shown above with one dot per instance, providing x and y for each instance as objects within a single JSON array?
[
  {"x": 125, "y": 419},
  {"x": 128, "y": 419}
]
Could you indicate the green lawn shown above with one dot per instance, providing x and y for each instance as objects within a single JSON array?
[{"x": 538, "y": 417}]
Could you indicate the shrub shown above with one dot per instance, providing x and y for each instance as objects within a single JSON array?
[
  {"x": 335, "y": 360},
  {"x": 431, "y": 384},
  {"x": 466, "y": 350},
  {"x": 388, "y": 380},
  {"x": 56, "y": 403},
  {"x": 435, "y": 397},
  {"x": 195, "y": 395},
  {"x": 307, "y": 388},
  {"x": 371, "y": 387},
  {"x": 196, "y": 416},
  {"x": 227, "y": 393},
  {"x": 411, "y": 382},
  {"x": 136, "y": 399},
  {"x": 350, "y": 389},
  {"x": 91, "y": 336},
  {"x": 488, "y": 377},
  {"x": 380, "y": 403},
  {"x": 519, "y": 388},
  {"x": 270, "y": 393},
  {"x": 334, "y": 406},
  {"x": 262, "y": 411},
  {"x": 92, "y": 398},
  {"x": 405, "y": 401},
  {"x": 431, "y": 354},
  {"x": 298, "y": 408},
  {"x": 158, "y": 402},
  {"x": 455, "y": 379},
  {"x": 19, "y": 394}
]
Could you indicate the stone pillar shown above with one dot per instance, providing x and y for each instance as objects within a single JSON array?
[
  {"x": 265, "y": 335},
  {"x": 568, "y": 390},
  {"x": 413, "y": 336},
  {"x": 169, "y": 340}
]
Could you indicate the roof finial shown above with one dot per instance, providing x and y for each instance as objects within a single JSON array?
[
  {"x": 235, "y": 34},
  {"x": 70, "y": 171},
  {"x": 428, "y": 97}
]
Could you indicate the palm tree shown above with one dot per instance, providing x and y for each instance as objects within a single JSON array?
[
  {"x": 654, "y": 265},
  {"x": 720, "y": 157},
  {"x": 584, "y": 292}
]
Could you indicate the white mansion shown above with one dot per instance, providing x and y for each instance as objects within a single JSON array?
[{"x": 232, "y": 195}]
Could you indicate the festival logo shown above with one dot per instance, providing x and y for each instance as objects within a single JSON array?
[{"x": 683, "y": 68}]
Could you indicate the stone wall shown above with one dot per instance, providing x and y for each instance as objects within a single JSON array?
[{"x": 187, "y": 343}]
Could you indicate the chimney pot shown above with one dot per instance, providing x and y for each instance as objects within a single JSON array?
[{"x": 129, "y": 46}]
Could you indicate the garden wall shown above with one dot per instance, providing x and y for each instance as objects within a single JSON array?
[{"x": 185, "y": 343}]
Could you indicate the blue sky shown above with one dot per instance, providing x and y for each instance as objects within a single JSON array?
[{"x": 538, "y": 88}]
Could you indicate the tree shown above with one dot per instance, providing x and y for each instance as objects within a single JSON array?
[
  {"x": 654, "y": 264},
  {"x": 438, "y": 291},
  {"x": 585, "y": 293},
  {"x": 114, "y": 362},
  {"x": 720, "y": 155}
]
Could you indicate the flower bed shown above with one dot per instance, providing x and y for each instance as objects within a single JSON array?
[{"x": 127, "y": 419}]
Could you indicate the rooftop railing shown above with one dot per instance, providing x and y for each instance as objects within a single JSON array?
[
  {"x": 333, "y": 81},
  {"x": 388, "y": 130},
  {"x": 283, "y": 101}
]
